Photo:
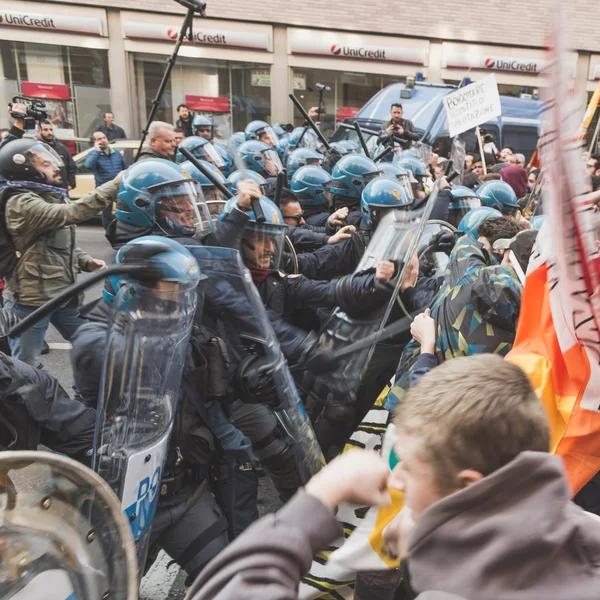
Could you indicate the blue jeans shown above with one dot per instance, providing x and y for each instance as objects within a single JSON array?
[{"x": 28, "y": 347}]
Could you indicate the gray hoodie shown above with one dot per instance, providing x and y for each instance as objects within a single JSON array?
[{"x": 513, "y": 535}]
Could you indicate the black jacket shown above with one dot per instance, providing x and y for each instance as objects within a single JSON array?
[
  {"x": 115, "y": 133},
  {"x": 148, "y": 152},
  {"x": 186, "y": 125},
  {"x": 409, "y": 130},
  {"x": 39, "y": 411}
]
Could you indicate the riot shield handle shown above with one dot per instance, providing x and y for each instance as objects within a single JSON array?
[
  {"x": 361, "y": 139},
  {"x": 141, "y": 272},
  {"x": 207, "y": 173},
  {"x": 258, "y": 211},
  {"x": 310, "y": 121}
]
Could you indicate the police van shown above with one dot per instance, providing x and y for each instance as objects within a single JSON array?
[{"x": 518, "y": 126}]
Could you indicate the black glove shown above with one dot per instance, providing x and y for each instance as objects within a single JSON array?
[
  {"x": 8, "y": 320},
  {"x": 443, "y": 241},
  {"x": 254, "y": 383}
]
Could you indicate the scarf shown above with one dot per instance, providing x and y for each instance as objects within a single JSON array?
[
  {"x": 39, "y": 188},
  {"x": 258, "y": 274}
]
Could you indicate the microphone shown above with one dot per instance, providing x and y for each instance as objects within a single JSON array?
[{"x": 323, "y": 88}]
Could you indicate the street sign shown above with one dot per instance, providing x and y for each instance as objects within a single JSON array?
[{"x": 472, "y": 105}]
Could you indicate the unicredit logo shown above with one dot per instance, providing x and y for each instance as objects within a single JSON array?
[
  {"x": 173, "y": 34},
  {"x": 512, "y": 65},
  {"x": 359, "y": 52},
  {"x": 27, "y": 21}
]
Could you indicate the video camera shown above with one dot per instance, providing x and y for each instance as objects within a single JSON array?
[{"x": 35, "y": 112}]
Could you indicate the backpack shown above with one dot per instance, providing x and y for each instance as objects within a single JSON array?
[{"x": 9, "y": 256}]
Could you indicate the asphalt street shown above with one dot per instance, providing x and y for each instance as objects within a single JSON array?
[{"x": 162, "y": 582}]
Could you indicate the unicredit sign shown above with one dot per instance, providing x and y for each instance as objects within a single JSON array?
[
  {"x": 252, "y": 40},
  {"x": 55, "y": 22},
  {"x": 316, "y": 43},
  {"x": 490, "y": 62}
]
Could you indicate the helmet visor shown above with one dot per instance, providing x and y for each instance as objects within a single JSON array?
[
  {"x": 210, "y": 153},
  {"x": 180, "y": 210},
  {"x": 267, "y": 135},
  {"x": 272, "y": 161},
  {"x": 459, "y": 208},
  {"x": 205, "y": 131},
  {"x": 44, "y": 160},
  {"x": 262, "y": 247}
]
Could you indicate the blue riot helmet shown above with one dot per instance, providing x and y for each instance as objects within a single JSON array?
[
  {"x": 261, "y": 158},
  {"x": 351, "y": 174},
  {"x": 237, "y": 176},
  {"x": 404, "y": 176},
  {"x": 155, "y": 194},
  {"x": 537, "y": 222},
  {"x": 411, "y": 164},
  {"x": 226, "y": 157},
  {"x": 263, "y": 132},
  {"x": 340, "y": 148},
  {"x": 199, "y": 148},
  {"x": 279, "y": 130},
  {"x": 173, "y": 263},
  {"x": 351, "y": 146},
  {"x": 499, "y": 195},
  {"x": 410, "y": 154},
  {"x": 381, "y": 196},
  {"x": 203, "y": 127},
  {"x": 464, "y": 199},
  {"x": 215, "y": 201},
  {"x": 311, "y": 185},
  {"x": 263, "y": 243},
  {"x": 302, "y": 137},
  {"x": 301, "y": 157},
  {"x": 235, "y": 141},
  {"x": 474, "y": 218}
]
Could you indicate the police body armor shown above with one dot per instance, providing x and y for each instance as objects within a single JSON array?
[
  {"x": 146, "y": 345},
  {"x": 64, "y": 535},
  {"x": 230, "y": 293}
]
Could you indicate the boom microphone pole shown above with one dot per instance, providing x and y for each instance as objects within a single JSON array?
[{"x": 194, "y": 7}]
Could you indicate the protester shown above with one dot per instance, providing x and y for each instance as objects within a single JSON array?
[
  {"x": 40, "y": 221},
  {"x": 179, "y": 136},
  {"x": 161, "y": 142},
  {"x": 45, "y": 133},
  {"x": 592, "y": 165},
  {"x": 109, "y": 128},
  {"x": 515, "y": 175},
  {"x": 184, "y": 122}
]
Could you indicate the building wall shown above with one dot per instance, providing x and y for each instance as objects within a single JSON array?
[{"x": 511, "y": 22}]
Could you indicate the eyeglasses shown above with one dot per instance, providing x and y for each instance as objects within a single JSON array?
[{"x": 296, "y": 218}]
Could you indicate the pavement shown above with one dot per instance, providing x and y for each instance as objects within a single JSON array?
[{"x": 161, "y": 582}]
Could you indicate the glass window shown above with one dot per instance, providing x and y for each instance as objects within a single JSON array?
[
  {"x": 234, "y": 93},
  {"x": 88, "y": 66},
  {"x": 522, "y": 139},
  {"x": 348, "y": 91}
]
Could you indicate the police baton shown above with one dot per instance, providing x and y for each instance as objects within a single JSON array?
[
  {"x": 281, "y": 177},
  {"x": 240, "y": 165},
  {"x": 383, "y": 153},
  {"x": 140, "y": 271},
  {"x": 361, "y": 139},
  {"x": 310, "y": 121},
  {"x": 207, "y": 173}
]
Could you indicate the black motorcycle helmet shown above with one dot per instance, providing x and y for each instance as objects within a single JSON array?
[{"x": 23, "y": 160}]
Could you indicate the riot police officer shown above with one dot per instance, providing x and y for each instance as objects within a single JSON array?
[
  {"x": 499, "y": 195},
  {"x": 200, "y": 148},
  {"x": 301, "y": 157},
  {"x": 213, "y": 196},
  {"x": 203, "y": 127}
]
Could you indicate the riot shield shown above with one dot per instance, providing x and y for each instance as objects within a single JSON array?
[
  {"x": 63, "y": 534},
  {"x": 423, "y": 151},
  {"x": 230, "y": 292},
  {"x": 146, "y": 345},
  {"x": 458, "y": 153}
]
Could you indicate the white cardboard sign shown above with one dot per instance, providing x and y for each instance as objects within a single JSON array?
[{"x": 472, "y": 105}]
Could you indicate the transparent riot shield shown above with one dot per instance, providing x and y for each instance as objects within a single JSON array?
[
  {"x": 146, "y": 345},
  {"x": 230, "y": 292},
  {"x": 423, "y": 151},
  {"x": 397, "y": 239},
  {"x": 458, "y": 153},
  {"x": 433, "y": 262},
  {"x": 63, "y": 534}
]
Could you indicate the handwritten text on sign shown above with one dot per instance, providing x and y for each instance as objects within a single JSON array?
[{"x": 472, "y": 105}]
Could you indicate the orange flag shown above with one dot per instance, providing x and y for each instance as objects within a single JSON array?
[{"x": 558, "y": 340}]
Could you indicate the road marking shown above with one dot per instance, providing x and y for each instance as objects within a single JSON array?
[
  {"x": 159, "y": 581},
  {"x": 59, "y": 345}
]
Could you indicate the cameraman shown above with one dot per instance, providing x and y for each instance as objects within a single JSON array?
[
  {"x": 403, "y": 128},
  {"x": 40, "y": 221}
]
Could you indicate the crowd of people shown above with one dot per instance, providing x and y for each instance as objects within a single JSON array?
[{"x": 333, "y": 243}]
